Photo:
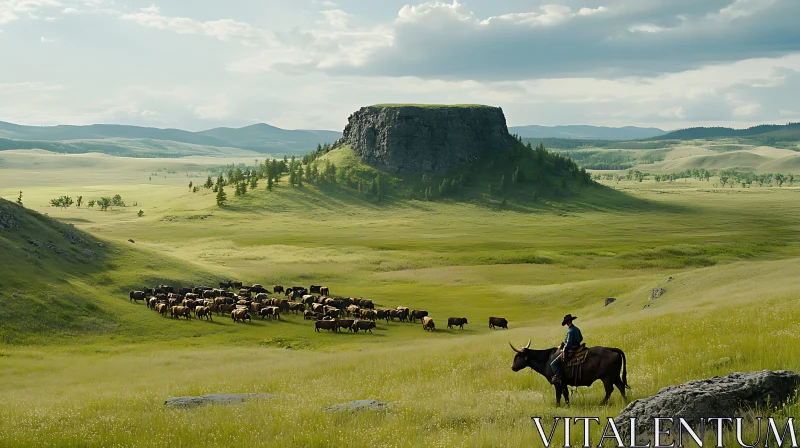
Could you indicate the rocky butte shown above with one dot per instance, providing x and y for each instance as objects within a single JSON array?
[{"x": 413, "y": 138}]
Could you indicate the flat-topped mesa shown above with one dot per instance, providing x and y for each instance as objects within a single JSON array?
[{"x": 414, "y": 138}]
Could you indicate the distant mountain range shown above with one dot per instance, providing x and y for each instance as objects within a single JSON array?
[
  {"x": 780, "y": 132},
  {"x": 585, "y": 132},
  {"x": 261, "y": 138}
]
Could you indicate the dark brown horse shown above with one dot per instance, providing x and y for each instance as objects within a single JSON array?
[{"x": 602, "y": 363}]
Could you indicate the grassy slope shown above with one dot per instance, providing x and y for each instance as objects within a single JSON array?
[{"x": 731, "y": 255}]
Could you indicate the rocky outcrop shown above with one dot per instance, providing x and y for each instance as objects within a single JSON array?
[
  {"x": 357, "y": 405},
  {"x": 190, "y": 401},
  {"x": 721, "y": 396},
  {"x": 400, "y": 138}
]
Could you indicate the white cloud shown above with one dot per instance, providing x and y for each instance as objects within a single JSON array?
[
  {"x": 11, "y": 9},
  {"x": 746, "y": 110},
  {"x": 223, "y": 30},
  {"x": 45, "y": 40},
  {"x": 646, "y": 28},
  {"x": 550, "y": 15},
  {"x": 28, "y": 86},
  {"x": 743, "y": 8},
  {"x": 591, "y": 12},
  {"x": 336, "y": 18}
]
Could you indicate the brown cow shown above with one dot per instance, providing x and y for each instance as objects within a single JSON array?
[
  {"x": 317, "y": 307},
  {"x": 344, "y": 323},
  {"x": 161, "y": 308},
  {"x": 368, "y": 314},
  {"x": 151, "y": 303},
  {"x": 295, "y": 306},
  {"x": 255, "y": 307},
  {"x": 226, "y": 308},
  {"x": 352, "y": 310},
  {"x": 418, "y": 314},
  {"x": 240, "y": 315},
  {"x": 456, "y": 322},
  {"x": 260, "y": 297},
  {"x": 136, "y": 296},
  {"x": 329, "y": 325},
  {"x": 277, "y": 288},
  {"x": 382, "y": 314},
  {"x": 499, "y": 322},
  {"x": 244, "y": 292},
  {"x": 324, "y": 290},
  {"x": 178, "y": 311},
  {"x": 203, "y": 311},
  {"x": 209, "y": 294},
  {"x": 270, "y": 311},
  {"x": 427, "y": 324},
  {"x": 365, "y": 325},
  {"x": 367, "y": 303}
]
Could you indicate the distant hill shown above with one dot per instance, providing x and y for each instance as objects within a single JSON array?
[
  {"x": 585, "y": 132},
  {"x": 261, "y": 138},
  {"x": 779, "y": 132},
  {"x": 262, "y": 135}
]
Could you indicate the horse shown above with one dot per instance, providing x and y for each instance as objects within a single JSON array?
[{"x": 602, "y": 363}]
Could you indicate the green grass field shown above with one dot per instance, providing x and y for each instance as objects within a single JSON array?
[{"x": 100, "y": 379}]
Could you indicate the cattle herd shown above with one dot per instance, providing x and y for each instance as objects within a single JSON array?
[{"x": 315, "y": 303}]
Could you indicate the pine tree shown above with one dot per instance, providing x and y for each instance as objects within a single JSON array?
[
  {"x": 190, "y": 185},
  {"x": 253, "y": 183},
  {"x": 300, "y": 176},
  {"x": 269, "y": 184},
  {"x": 19, "y": 199},
  {"x": 244, "y": 188},
  {"x": 221, "y": 196}
]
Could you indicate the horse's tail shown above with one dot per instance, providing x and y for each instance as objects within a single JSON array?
[{"x": 624, "y": 367}]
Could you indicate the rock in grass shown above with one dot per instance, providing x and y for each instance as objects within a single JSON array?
[
  {"x": 721, "y": 396},
  {"x": 357, "y": 405},
  {"x": 656, "y": 293},
  {"x": 213, "y": 399}
]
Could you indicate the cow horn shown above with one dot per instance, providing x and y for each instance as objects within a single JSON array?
[
  {"x": 512, "y": 347},
  {"x": 529, "y": 344}
]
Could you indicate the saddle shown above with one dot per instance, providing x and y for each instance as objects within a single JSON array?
[{"x": 577, "y": 356}]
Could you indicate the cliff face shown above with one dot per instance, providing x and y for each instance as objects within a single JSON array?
[{"x": 425, "y": 138}]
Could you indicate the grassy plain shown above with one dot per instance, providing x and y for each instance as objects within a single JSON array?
[{"x": 733, "y": 256}]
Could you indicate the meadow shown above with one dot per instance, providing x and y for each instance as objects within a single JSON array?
[{"x": 732, "y": 255}]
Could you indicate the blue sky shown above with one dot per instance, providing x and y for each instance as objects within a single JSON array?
[{"x": 308, "y": 64}]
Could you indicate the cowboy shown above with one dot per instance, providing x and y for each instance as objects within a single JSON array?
[{"x": 572, "y": 342}]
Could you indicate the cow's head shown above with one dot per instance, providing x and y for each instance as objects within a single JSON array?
[{"x": 521, "y": 358}]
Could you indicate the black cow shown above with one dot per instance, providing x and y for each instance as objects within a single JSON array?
[
  {"x": 602, "y": 363},
  {"x": 499, "y": 322},
  {"x": 456, "y": 322}
]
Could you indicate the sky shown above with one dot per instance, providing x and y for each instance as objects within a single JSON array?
[{"x": 308, "y": 64}]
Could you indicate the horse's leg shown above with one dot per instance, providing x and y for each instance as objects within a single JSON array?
[
  {"x": 558, "y": 396},
  {"x": 608, "y": 384},
  {"x": 566, "y": 394},
  {"x": 620, "y": 387}
]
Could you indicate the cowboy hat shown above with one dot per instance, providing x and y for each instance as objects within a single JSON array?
[{"x": 567, "y": 319}]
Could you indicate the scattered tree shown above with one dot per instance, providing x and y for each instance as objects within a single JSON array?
[
  {"x": 19, "y": 199},
  {"x": 104, "y": 203},
  {"x": 91, "y": 203},
  {"x": 140, "y": 213},
  {"x": 221, "y": 196},
  {"x": 117, "y": 201},
  {"x": 79, "y": 201},
  {"x": 190, "y": 185}
]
